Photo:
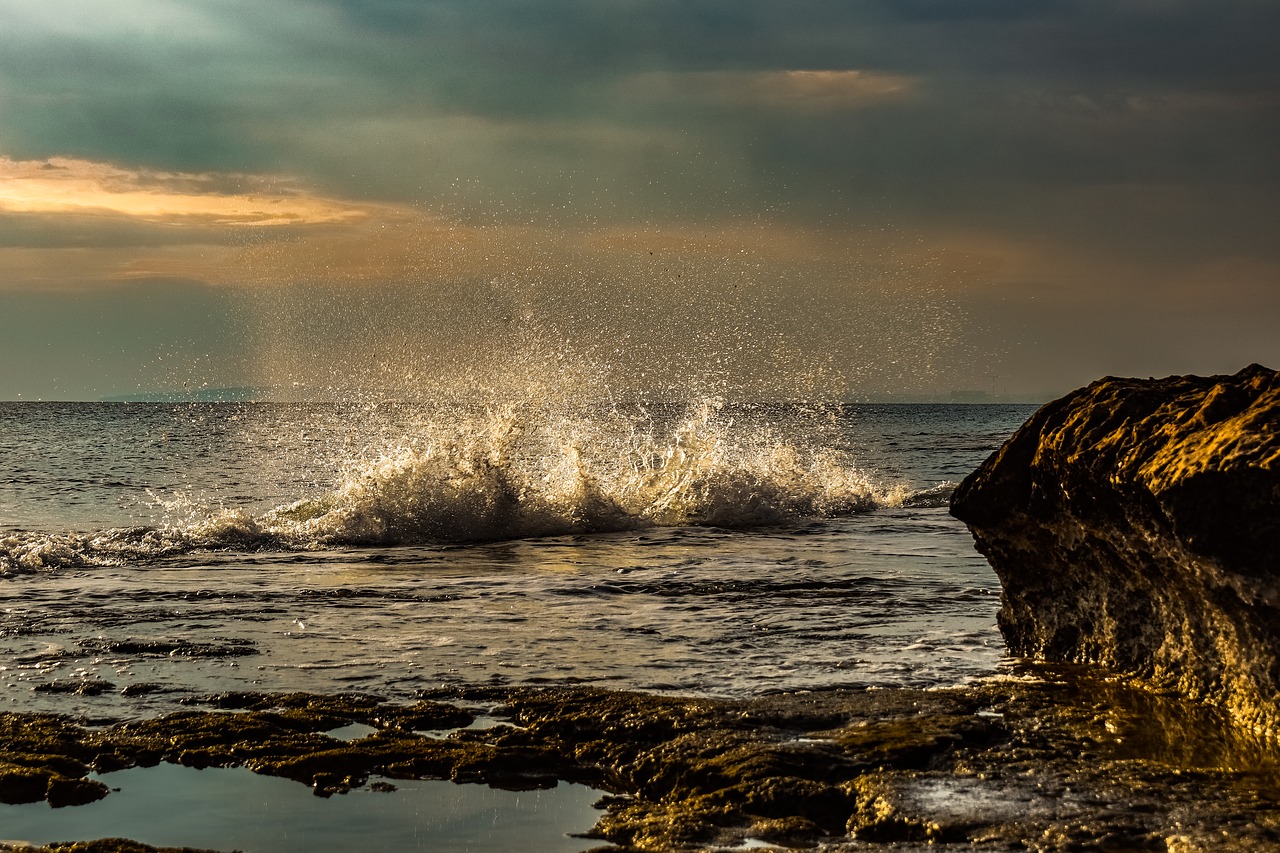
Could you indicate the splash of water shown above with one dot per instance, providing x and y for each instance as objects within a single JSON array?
[
  {"x": 509, "y": 477},
  {"x": 534, "y": 467},
  {"x": 527, "y": 438}
]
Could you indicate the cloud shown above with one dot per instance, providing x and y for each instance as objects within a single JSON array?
[
  {"x": 446, "y": 144},
  {"x": 803, "y": 90},
  {"x": 73, "y": 186}
]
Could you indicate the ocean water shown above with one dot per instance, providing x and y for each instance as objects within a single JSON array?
[{"x": 151, "y": 552}]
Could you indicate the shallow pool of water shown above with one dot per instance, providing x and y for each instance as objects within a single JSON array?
[{"x": 234, "y": 808}]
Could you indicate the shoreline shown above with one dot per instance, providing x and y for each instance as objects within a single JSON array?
[
  {"x": 1103, "y": 519},
  {"x": 1051, "y": 758}
]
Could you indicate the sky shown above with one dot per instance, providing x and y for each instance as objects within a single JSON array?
[{"x": 861, "y": 197}]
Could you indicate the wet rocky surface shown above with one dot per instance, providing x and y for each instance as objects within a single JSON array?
[
  {"x": 1064, "y": 759},
  {"x": 1133, "y": 524}
]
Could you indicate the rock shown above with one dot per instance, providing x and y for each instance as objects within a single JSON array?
[
  {"x": 110, "y": 845},
  {"x": 1136, "y": 524},
  {"x": 233, "y": 647},
  {"x": 80, "y": 687},
  {"x": 1054, "y": 760},
  {"x": 20, "y": 784},
  {"x": 74, "y": 792}
]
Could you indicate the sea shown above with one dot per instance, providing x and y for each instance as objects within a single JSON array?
[{"x": 155, "y": 552}]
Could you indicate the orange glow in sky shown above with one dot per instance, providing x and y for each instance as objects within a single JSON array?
[{"x": 65, "y": 185}]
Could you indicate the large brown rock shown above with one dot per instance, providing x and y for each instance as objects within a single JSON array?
[{"x": 1136, "y": 524}]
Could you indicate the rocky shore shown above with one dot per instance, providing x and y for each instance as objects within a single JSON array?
[
  {"x": 1053, "y": 760},
  {"x": 1136, "y": 524}
]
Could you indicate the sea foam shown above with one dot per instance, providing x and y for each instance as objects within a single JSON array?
[{"x": 515, "y": 471}]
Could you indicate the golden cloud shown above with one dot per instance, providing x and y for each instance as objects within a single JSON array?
[{"x": 63, "y": 185}]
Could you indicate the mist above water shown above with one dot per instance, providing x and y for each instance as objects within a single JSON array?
[{"x": 745, "y": 313}]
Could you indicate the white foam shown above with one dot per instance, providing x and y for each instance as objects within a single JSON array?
[
  {"x": 529, "y": 468},
  {"x": 507, "y": 475}
]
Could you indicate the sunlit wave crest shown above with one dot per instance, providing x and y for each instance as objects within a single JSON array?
[{"x": 517, "y": 472}]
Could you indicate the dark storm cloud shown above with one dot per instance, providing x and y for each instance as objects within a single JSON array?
[
  {"x": 291, "y": 85},
  {"x": 77, "y": 95},
  {"x": 1139, "y": 134},
  {"x": 1167, "y": 40}
]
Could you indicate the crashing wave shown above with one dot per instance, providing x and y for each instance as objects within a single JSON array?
[{"x": 509, "y": 474}]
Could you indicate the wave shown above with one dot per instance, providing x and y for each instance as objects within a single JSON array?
[
  {"x": 512, "y": 473},
  {"x": 934, "y": 497}
]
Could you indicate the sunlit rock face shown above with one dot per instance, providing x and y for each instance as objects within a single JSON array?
[{"x": 1136, "y": 523}]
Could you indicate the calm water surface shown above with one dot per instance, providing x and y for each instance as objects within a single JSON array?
[{"x": 232, "y": 808}]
